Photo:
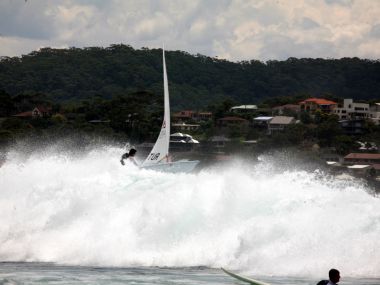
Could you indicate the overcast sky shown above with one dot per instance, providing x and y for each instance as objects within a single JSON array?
[{"x": 230, "y": 29}]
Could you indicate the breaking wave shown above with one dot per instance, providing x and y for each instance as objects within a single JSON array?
[{"x": 89, "y": 210}]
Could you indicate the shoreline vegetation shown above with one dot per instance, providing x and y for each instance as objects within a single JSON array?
[{"x": 114, "y": 95}]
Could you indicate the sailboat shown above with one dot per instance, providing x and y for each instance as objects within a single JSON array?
[{"x": 159, "y": 158}]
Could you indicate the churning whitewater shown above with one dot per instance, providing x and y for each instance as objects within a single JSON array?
[{"x": 89, "y": 210}]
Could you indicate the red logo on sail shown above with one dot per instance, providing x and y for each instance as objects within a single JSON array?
[{"x": 164, "y": 124}]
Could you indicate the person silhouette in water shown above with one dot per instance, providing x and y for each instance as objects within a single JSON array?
[
  {"x": 334, "y": 277},
  {"x": 129, "y": 155}
]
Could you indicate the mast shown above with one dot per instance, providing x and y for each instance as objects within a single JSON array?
[{"x": 166, "y": 103}]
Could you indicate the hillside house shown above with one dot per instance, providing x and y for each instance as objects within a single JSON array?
[
  {"x": 362, "y": 158},
  {"x": 244, "y": 109},
  {"x": 183, "y": 116},
  {"x": 284, "y": 109},
  {"x": 37, "y": 112},
  {"x": 351, "y": 110},
  {"x": 218, "y": 143},
  {"x": 236, "y": 123},
  {"x": 375, "y": 113},
  {"x": 190, "y": 115},
  {"x": 262, "y": 122},
  {"x": 313, "y": 104},
  {"x": 279, "y": 123},
  {"x": 232, "y": 121},
  {"x": 203, "y": 116},
  {"x": 182, "y": 127}
]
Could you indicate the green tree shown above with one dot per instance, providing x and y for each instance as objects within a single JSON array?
[
  {"x": 327, "y": 130},
  {"x": 344, "y": 144},
  {"x": 7, "y": 106},
  {"x": 305, "y": 118}
]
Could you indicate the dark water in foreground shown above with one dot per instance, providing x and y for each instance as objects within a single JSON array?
[{"x": 47, "y": 273}]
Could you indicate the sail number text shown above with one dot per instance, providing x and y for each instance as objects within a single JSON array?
[{"x": 154, "y": 156}]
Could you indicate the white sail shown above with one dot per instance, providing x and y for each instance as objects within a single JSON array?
[
  {"x": 160, "y": 152},
  {"x": 158, "y": 158}
]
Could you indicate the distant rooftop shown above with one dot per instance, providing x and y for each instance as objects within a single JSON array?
[
  {"x": 185, "y": 125},
  {"x": 281, "y": 120},
  {"x": 252, "y": 107},
  {"x": 287, "y": 106},
  {"x": 263, "y": 118},
  {"x": 319, "y": 101},
  {"x": 24, "y": 114},
  {"x": 356, "y": 166},
  {"x": 363, "y": 156}
]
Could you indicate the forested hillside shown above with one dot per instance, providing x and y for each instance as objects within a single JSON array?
[{"x": 195, "y": 80}]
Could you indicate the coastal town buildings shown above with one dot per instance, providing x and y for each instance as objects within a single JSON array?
[
  {"x": 279, "y": 123},
  {"x": 351, "y": 110},
  {"x": 375, "y": 113},
  {"x": 233, "y": 122},
  {"x": 287, "y": 108},
  {"x": 190, "y": 115},
  {"x": 184, "y": 127},
  {"x": 362, "y": 158},
  {"x": 365, "y": 164},
  {"x": 184, "y": 116},
  {"x": 262, "y": 121},
  {"x": 313, "y": 104},
  {"x": 244, "y": 109},
  {"x": 203, "y": 116},
  {"x": 37, "y": 112},
  {"x": 218, "y": 143}
]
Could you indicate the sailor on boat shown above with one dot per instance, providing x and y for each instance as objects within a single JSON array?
[{"x": 130, "y": 156}]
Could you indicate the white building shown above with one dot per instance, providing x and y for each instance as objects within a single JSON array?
[
  {"x": 185, "y": 127},
  {"x": 375, "y": 113},
  {"x": 243, "y": 109},
  {"x": 351, "y": 110}
]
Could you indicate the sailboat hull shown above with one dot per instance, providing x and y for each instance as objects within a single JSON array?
[{"x": 181, "y": 166}]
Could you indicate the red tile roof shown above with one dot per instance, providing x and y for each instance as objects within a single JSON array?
[
  {"x": 319, "y": 101},
  {"x": 363, "y": 156},
  {"x": 184, "y": 114},
  {"x": 287, "y": 106},
  {"x": 24, "y": 114}
]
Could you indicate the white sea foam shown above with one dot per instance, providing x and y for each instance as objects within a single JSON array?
[{"x": 89, "y": 210}]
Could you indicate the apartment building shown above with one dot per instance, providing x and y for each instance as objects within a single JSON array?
[
  {"x": 351, "y": 110},
  {"x": 375, "y": 113}
]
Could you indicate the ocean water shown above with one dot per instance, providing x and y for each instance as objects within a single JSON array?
[
  {"x": 45, "y": 273},
  {"x": 70, "y": 218}
]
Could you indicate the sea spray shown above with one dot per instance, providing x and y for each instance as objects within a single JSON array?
[{"x": 90, "y": 210}]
